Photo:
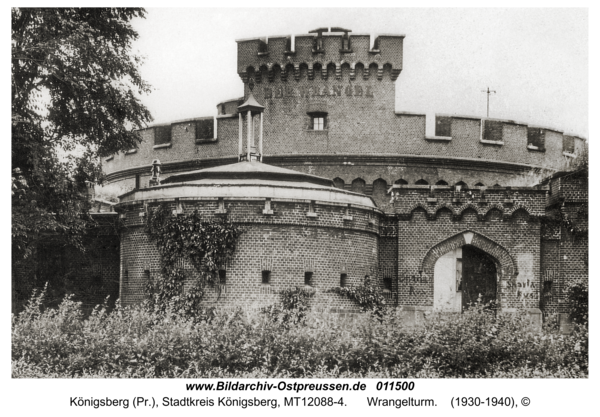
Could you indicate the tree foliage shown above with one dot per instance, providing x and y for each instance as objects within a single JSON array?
[{"x": 75, "y": 86}]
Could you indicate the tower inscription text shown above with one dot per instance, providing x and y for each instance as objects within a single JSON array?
[{"x": 350, "y": 90}]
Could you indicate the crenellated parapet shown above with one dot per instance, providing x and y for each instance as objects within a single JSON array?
[
  {"x": 456, "y": 201},
  {"x": 322, "y": 54},
  {"x": 330, "y": 108}
]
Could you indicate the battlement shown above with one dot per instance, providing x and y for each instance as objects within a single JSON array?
[
  {"x": 458, "y": 200},
  {"x": 319, "y": 51},
  {"x": 500, "y": 132}
]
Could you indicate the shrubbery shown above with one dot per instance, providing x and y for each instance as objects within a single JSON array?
[
  {"x": 577, "y": 293},
  {"x": 141, "y": 342}
]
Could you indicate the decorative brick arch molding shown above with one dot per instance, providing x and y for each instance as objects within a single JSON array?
[{"x": 505, "y": 264}]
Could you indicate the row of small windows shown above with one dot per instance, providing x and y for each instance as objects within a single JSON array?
[
  {"x": 266, "y": 279},
  {"x": 308, "y": 280},
  {"x": 359, "y": 185}
]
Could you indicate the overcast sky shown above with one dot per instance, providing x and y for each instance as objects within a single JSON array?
[{"x": 536, "y": 59}]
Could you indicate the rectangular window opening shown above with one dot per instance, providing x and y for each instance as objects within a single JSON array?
[
  {"x": 222, "y": 276},
  {"x": 205, "y": 129},
  {"x": 547, "y": 290},
  {"x": 536, "y": 137},
  {"x": 569, "y": 144},
  {"x": 318, "y": 123},
  {"x": 308, "y": 278},
  {"x": 492, "y": 130},
  {"x": 343, "y": 280},
  {"x": 266, "y": 277},
  {"x": 387, "y": 284},
  {"x": 162, "y": 135},
  {"x": 443, "y": 126}
]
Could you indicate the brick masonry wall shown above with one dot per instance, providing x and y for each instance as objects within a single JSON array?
[
  {"x": 565, "y": 253},
  {"x": 356, "y": 125},
  {"x": 564, "y": 262},
  {"x": 366, "y": 141},
  {"x": 356, "y": 88},
  {"x": 513, "y": 241},
  {"x": 289, "y": 242},
  {"x": 552, "y": 300},
  {"x": 505, "y": 224},
  {"x": 275, "y": 53},
  {"x": 388, "y": 263}
]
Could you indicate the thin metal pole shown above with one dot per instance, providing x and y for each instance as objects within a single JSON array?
[
  {"x": 249, "y": 133},
  {"x": 241, "y": 145},
  {"x": 488, "y": 92},
  {"x": 260, "y": 138}
]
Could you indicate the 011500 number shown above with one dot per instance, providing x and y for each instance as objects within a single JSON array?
[{"x": 395, "y": 386}]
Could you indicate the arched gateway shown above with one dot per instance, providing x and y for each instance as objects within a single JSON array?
[{"x": 466, "y": 268}]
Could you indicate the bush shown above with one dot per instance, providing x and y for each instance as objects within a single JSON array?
[
  {"x": 137, "y": 342},
  {"x": 577, "y": 294}
]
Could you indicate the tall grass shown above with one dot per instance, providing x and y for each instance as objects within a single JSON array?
[{"x": 136, "y": 342}]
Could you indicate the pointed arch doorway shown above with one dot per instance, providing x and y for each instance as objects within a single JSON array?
[{"x": 461, "y": 277}]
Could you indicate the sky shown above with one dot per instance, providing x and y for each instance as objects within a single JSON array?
[{"x": 535, "y": 59}]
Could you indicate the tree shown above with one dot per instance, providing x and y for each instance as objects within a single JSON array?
[{"x": 75, "y": 86}]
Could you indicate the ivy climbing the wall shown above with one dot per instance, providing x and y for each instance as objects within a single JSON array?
[
  {"x": 367, "y": 296},
  {"x": 293, "y": 307},
  {"x": 206, "y": 244}
]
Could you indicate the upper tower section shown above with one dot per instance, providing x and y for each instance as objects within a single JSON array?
[{"x": 323, "y": 50}]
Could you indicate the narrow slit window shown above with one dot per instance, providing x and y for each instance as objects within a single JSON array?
[
  {"x": 308, "y": 278},
  {"x": 343, "y": 280},
  {"x": 222, "y": 276},
  {"x": 266, "y": 277},
  {"x": 547, "y": 290}
]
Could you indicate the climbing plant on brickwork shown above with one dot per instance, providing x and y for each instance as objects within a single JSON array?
[
  {"x": 367, "y": 296},
  {"x": 205, "y": 243},
  {"x": 293, "y": 307},
  {"x": 577, "y": 294},
  {"x": 577, "y": 223}
]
